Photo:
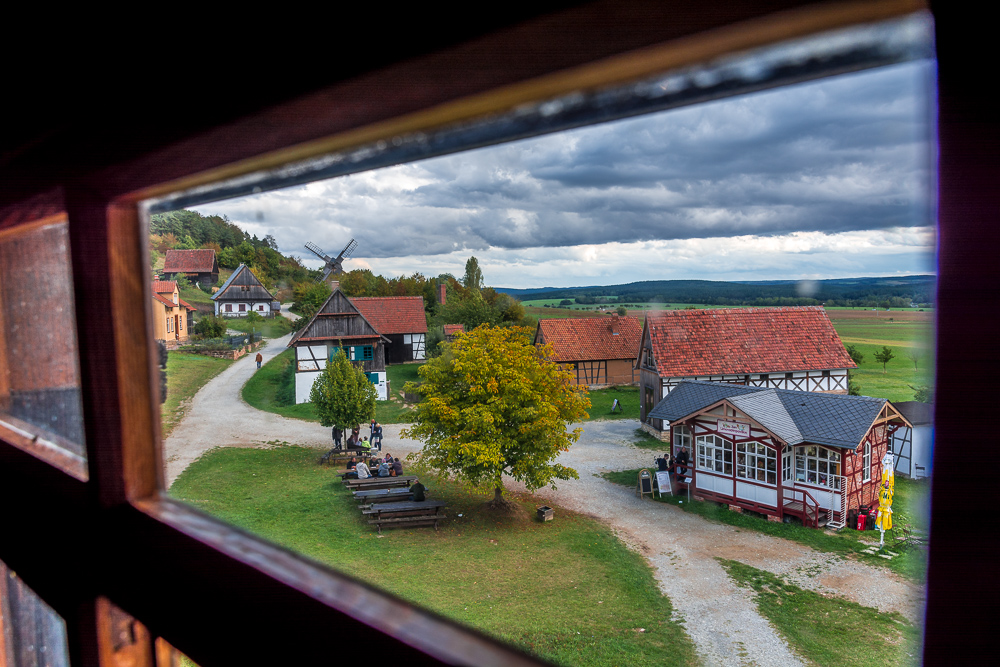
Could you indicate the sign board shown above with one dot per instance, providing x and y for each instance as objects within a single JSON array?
[
  {"x": 644, "y": 484},
  {"x": 663, "y": 482},
  {"x": 737, "y": 429}
]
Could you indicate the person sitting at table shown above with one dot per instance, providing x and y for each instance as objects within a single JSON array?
[
  {"x": 383, "y": 469},
  {"x": 362, "y": 470},
  {"x": 351, "y": 472},
  {"x": 388, "y": 458},
  {"x": 418, "y": 490},
  {"x": 397, "y": 466}
]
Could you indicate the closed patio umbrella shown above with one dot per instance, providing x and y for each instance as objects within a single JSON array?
[{"x": 885, "y": 491}]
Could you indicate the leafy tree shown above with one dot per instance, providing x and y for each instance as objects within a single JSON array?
[
  {"x": 923, "y": 393},
  {"x": 915, "y": 354},
  {"x": 342, "y": 394},
  {"x": 853, "y": 388},
  {"x": 884, "y": 356},
  {"x": 210, "y": 326},
  {"x": 473, "y": 276},
  {"x": 493, "y": 404},
  {"x": 622, "y": 310},
  {"x": 309, "y": 297},
  {"x": 856, "y": 356},
  {"x": 566, "y": 302}
]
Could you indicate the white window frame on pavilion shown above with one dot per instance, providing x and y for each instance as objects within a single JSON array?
[
  {"x": 823, "y": 474},
  {"x": 682, "y": 438},
  {"x": 759, "y": 463},
  {"x": 714, "y": 454}
]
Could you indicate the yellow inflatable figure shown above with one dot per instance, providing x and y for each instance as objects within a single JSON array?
[{"x": 884, "y": 520}]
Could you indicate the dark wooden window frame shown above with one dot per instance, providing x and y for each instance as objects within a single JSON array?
[{"x": 211, "y": 588}]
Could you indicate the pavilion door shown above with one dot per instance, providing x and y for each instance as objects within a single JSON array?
[{"x": 177, "y": 321}]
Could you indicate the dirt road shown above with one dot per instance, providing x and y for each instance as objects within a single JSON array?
[{"x": 682, "y": 547}]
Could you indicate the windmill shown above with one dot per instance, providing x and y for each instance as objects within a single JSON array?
[{"x": 332, "y": 265}]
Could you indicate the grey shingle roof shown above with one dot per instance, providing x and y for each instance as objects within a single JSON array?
[{"x": 835, "y": 420}]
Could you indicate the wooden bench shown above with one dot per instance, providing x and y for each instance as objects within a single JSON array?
[
  {"x": 379, "y": 482},
  {"x": 411, "y": 513}
]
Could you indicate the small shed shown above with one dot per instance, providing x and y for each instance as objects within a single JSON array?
[
  {"x": 914, "y": 446},
  {"x": 200, "y": 266},
  {"x": 452, "y": 330},
  {"x": 601, "y": 350},
  {"x": 401, "y": 320},
  {"x": 338, "y": 324},
  {"x": 243, "y": 294},
  {"x": 782, "y": 452}
]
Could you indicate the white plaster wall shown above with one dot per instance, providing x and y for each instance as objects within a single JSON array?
[{"x": 303, "y": 385}]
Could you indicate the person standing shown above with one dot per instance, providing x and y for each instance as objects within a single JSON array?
[
  {"x": 337, "y": 437},
  {"x": 682, "y": 461},
  {"x": 377, "y": 436},
  {"x": 260, "y": 358}
]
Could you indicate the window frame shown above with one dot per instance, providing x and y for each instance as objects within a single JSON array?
[{"x": 121, "y": 503}]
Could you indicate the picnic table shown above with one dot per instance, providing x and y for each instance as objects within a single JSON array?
[
  {"x": 392, "y": 495},
  {"x": 409, "y": 513}
]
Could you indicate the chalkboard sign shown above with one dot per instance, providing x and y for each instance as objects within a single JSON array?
[
  {"x": 644, "y": 484},
  {"x": 663, "y": 482}
]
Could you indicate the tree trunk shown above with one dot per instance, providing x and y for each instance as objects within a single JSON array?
[{"x": 498, "y": 495}]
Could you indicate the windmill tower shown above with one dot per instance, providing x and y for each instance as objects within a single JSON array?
[{"x": 333, "y": 265}]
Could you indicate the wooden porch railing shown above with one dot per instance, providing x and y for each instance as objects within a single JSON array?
[{"x": 810, "y": 506}]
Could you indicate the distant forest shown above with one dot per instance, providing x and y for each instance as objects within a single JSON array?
[{"x": 895, "y": 292}]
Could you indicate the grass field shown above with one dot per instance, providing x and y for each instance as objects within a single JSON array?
[
  {"x": 828, "y": 631},
  {"x": 567, "y": 590},
  {"x": 270, "y": 327},
  {"x": 601, "y": 401},
  {"x": 909, "y": 506},
  {"x": 271, "y": 389},
  {"x": 186, "y": 374}
]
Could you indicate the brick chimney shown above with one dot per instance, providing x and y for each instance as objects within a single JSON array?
[
  {"x": 441, "y": 293},
  {"x": 334, "y": 285}
]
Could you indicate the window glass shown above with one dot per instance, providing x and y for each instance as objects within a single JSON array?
[
  {"x": 39, "y": 372},
  {"x": 31, "y": 632},
  {"x": 637, "y": 199}
]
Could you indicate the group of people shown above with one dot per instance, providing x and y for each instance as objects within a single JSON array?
[
  {"x": 386, "y": 467},
  {"x": 358, "y": 442},
  {"x": 677, "y": 465}
]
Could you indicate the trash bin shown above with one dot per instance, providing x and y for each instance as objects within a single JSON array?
[{"x": 545, "y": 513}]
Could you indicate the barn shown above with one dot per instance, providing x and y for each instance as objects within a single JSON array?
[
  {"x": 778, "y": 348},
  {"x": 338, "y": 324},
  {"x": 780, "y": 452},
  {"x": 401, "y": 320},
  {"x": 243, "y": 294},
  {"x": 199, "y": 266},
  {"x": 601, "y": 350}
]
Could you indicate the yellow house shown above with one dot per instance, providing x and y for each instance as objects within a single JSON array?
[{"x": 171, "y": 318}]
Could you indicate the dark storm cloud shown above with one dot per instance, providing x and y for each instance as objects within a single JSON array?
[{"x": 838, "y": 155}]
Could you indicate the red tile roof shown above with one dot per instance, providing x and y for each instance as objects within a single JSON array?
[
  {"x": 452, "y": 329},
  {"x": 189, "y": 261},
  {"x": 164, "y": 286},
  {"x": 393, "y": 314},
  {"x": 186, "y": 304},
  {"x": 592, "y": 338},
  {"x": 744, "y": 340},
  {"x": 164, "y": 301}
]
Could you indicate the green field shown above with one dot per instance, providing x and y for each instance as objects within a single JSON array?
[
  {"x": 828, "y": 631},
  {"x": 186, "y": 374},
  {"x": 272, "y": 389},
  {"x": 905, "y": 339},
  {"x": 567, "y": 590},
  {"x": 270, "y": 327}
]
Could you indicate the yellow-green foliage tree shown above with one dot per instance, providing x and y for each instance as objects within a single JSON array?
[
  {"x": 342, "y": 394},
  {"x": 493, "y": 404}
]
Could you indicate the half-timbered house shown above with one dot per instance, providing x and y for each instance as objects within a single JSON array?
[
  {"x": 781, "y": 452},
  {"x": 172, "y": 315},
  {"x": 243, "y": 294},
  {"x": 601, "y": 350},
  {"x": 778, "y": 348},
  {"x": 913, "y": 447},
  {"x": 338, "y": 324},
  {"x": 401, "y": 320},
  {"x": 199, "y": 266}
]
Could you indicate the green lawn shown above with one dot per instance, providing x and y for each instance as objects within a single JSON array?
[
  {"x": 904, "y": 339},
  {"x": 909, "y": 504},
  {"x": 567, "y": 590},
  {"x": 829, "y": 631},
  {"x": 270, "y": 327},
  {"x": 186, "y": 374},
  {"x": 272, "y": 389},
  {"x": 601, "y": 401}
]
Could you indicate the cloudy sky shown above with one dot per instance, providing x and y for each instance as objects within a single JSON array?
[{"x": 823, "y": 180}]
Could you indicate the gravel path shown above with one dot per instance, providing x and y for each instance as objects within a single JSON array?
[{"x": 720, "y": 617}]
